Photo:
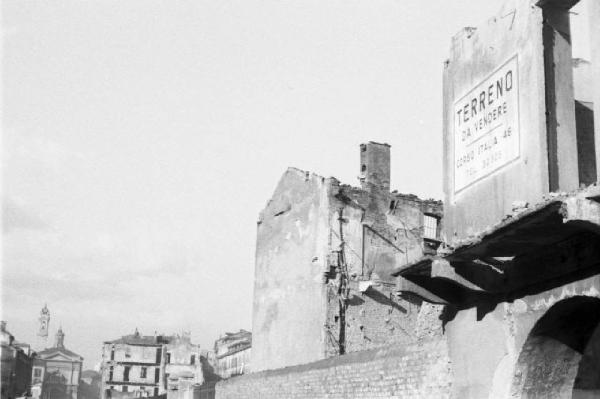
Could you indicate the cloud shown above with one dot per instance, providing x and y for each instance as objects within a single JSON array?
[{"x": 16, "y": 217}]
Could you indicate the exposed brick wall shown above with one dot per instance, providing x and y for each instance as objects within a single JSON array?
[
  {"x": 415, "y": 371},
  {"x": 377, "y": 318}
]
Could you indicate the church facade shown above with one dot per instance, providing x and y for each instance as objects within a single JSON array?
[{"x": 56, "y": 372}]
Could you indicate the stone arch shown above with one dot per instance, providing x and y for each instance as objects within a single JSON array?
[{"x": 561, "y": 356}]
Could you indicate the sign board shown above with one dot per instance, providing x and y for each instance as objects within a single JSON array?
[{"x": 486, "y": 126}]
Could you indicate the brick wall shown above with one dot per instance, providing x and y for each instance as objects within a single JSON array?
[
  {"x": 377, "y": 318},
  {"x": 415, "y": 371}
]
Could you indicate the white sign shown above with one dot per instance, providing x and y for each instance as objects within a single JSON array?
[{"x": 486, "y": 126}]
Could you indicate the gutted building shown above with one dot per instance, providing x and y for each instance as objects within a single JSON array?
[
  {"x": 139, "y": 365},
  {"x": 134, "y": 366},
  {"x": 519, "y": 275},
  {"x": 512, "y": 292},
  {"x": 324, "y": 255}
]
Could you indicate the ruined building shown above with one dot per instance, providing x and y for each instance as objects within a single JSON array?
[
  {"x": 184, "y": 367},
  {"x": 134, "y": 366},
  {"x": 324, "y": 256},
  {"x": 232, "y": 353},
  {"x": 508, "y": 304},
  {"x": 139, "y": 365},
  {"x": 519, "y": 277}
]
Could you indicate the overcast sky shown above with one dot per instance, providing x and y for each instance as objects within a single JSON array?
[{"x": 141, "y": 139}]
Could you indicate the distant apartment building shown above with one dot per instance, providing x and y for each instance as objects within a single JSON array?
[
  {"x": 144, "y": 366},
  {"x": 183, "y": 367},
  {"x": 16, "y": 362},
  {"x": 232, "y": 353},
  {"x": 134, "y": 366}
]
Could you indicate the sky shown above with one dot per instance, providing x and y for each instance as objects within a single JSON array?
[{"x": 141, "y": 138}]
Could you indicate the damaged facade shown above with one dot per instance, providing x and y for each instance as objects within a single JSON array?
[
  {"x": 504, "y": 302},
  {"x": 324, "y": 256},
  {"x": 518, "y": 274},
  {"x": 134, "y": 366},
  {"x": 232, "y": 353},
  {"x": 184, "y": 367},
  {"x": 139, "y": 365}
]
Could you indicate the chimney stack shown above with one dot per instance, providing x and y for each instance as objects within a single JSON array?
[{"x": 375, "y": 166}]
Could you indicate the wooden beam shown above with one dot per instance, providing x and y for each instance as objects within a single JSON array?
[
  {"x": 408, "y": 288},
  {"x": 441, "y": 268}
]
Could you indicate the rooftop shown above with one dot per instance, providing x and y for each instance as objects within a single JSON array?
[
  {"x": 142, "y": 340},
  {"x": 63, "y": 350}
]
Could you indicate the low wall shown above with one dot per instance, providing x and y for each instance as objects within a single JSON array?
[{"x": 416, "y": 371}]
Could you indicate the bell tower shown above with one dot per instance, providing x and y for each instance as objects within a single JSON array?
[{"x": 42, "y": 334}]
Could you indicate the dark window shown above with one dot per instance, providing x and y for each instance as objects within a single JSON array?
[
  {"x": 155, "y": 391},
  {"x": 168, "y": 358},
  {"x": 112, "y": 354},
  {"x": 126, "y": 374},
  {"x": 107, "y": 393},
  {"x": 125, "y": 388},
  {"x": 156, "y": 374},
  {"x": 37, "y": 372},
  {"x": 363, "y": 168},
  {"x": 110, "y": 373},
  {"x": 193, "y": 359},
  {"x": 143, "y": 372},
  {"x": 158, "y": 355}
]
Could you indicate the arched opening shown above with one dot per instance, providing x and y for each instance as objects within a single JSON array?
[{"x": 561, "y": 356}]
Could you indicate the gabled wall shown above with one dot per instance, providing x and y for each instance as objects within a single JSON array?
[
  {"x": 313, "y": 234},
  {"x": 291, "y": 258}
]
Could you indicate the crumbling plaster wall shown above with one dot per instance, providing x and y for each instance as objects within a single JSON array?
[
  {"x": 296, "y": 308},
  {"x": 515, "y": 31},
  {"x": 391, "y": 225},
  {"x": 291, "y": 257},
  {"x": 484, "y": 349}
]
